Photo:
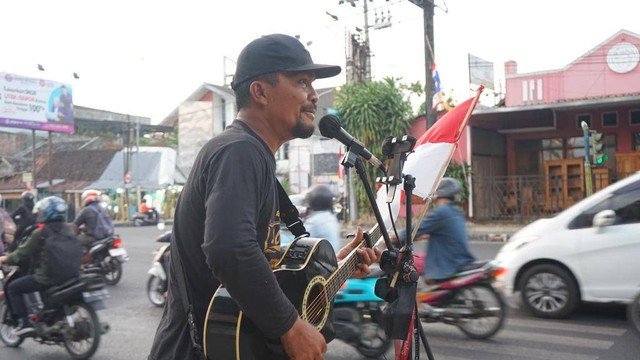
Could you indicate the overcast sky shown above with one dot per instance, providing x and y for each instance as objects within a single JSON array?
[{"x": 144, "y": 57}]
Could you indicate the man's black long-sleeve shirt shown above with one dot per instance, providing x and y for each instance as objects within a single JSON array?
[{"x": 226, "y": 229}]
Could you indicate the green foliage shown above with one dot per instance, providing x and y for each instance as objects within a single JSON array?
[{"x": 372, "y": 111}]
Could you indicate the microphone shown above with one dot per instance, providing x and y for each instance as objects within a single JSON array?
[{"x": 330, "y": 127}]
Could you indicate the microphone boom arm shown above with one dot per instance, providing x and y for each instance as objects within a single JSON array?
[{"x": 350, "y": 159}]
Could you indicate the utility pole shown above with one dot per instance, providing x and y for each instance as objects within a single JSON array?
[
  {"x": 367, "y": 47},
  {"x": 427, "y": 8}
]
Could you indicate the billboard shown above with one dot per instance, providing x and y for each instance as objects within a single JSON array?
[
  {"x": 37, "y": 104},
  {"x": 481, "y": 72}
]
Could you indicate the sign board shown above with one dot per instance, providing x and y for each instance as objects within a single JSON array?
[
  {"x": 36, "y": 104},
  {"x": 481, "y": 72},
  {"x": 27, "y": 177}
]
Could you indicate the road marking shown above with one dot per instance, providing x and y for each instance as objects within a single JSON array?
[
  {"x": 557, "y": 339},
  {"x": 510, "y": 350},
  {"x": 550, "y": 325}
]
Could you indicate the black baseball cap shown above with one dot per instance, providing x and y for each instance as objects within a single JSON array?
[{"x": 274, "y": 53}]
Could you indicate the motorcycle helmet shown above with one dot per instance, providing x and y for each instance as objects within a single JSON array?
[
  {"x": 28, "y": 196},
  {"x": 51, "y": 208},
  {"x": 448, "y": 188},
  {"x": 89, "y": 196},
  {"x": 320, "y": 198}
]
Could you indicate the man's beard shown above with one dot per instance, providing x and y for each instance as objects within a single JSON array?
[{"x": 302, "y": 130}]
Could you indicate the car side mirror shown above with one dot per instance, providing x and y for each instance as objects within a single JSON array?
[{"x": 604, "y": 218}]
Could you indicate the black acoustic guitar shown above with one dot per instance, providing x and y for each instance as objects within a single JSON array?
[{"x": 308, "y": 275}]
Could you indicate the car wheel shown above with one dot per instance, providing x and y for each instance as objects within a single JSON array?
[{"x": 549, "y": 291}]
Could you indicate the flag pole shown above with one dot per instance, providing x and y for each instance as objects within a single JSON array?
[{"x": 463, "y": 124}]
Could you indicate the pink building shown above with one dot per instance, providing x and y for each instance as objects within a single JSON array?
[
  {"x": 528, "y": 155},
  {"x": 609, "y": 69}
]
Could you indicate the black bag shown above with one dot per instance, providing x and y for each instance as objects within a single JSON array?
[{"x": 63, "y": 253}]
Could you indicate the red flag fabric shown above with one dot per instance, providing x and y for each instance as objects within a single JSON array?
[{"x": 432, "y": 153}]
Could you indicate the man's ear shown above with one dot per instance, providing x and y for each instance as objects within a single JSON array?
[{"x": 259, "y": 92}]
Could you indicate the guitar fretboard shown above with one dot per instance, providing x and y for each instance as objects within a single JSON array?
[{"x": 349, "y": 263}]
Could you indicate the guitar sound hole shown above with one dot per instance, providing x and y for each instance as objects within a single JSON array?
[{"x": 316, "y": 305}]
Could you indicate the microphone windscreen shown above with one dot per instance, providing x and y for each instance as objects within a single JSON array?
[{"x": 329, "y": 126}]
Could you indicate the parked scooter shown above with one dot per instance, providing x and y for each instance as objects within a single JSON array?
[
  {"x": 358, "y": 316},
  {"x": 61, "y": 315},
  {"x": 159, "y": 272},
  {"x": 468, "y": 301},
  {"x": 105, "y": 257}
]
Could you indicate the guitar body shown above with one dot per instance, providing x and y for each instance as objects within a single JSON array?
[{"x": 301, "y": 274}]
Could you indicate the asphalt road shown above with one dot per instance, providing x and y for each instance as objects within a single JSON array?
[{"x": 595, "y": 332}]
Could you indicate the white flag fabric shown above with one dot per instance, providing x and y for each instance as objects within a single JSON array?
[{"x": 431, "y": 156}]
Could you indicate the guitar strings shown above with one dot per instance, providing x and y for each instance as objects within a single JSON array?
[
  {"x": 318, "y": 304},
  {"x": 316, "y": 308}
]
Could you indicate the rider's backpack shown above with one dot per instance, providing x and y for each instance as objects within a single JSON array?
[
  {"x": 103, "y": 223},
  {"x": 63, "y": 253},
  {"x": 9, "y": 227}
]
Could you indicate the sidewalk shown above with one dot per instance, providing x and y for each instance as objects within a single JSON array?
[{"x": 498, "y": 232}]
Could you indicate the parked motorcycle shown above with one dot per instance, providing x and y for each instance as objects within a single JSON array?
[
  {"x": 358, "y": 316},
  {"x": 468, "y": 301},
  {"x": 633, "y": 313},
  {"x": 61, "y": 315},
  {"x": 159, "y": 272},
  {"x": 105, "y": 257}
]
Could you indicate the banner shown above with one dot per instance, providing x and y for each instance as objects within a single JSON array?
[{"x": 37, "y": 104}]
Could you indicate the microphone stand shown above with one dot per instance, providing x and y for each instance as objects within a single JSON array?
[
  {"x": 351, "y": 159},
  {"x": 399, "y": 285}
]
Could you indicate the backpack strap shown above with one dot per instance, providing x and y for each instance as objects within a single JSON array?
[{"x": 289, "y": 213}]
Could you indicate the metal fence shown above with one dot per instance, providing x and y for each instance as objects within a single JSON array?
[{"x": 523, "y": 199}]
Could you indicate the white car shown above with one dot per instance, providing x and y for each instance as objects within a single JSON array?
[{"x": 589, "y": 252}]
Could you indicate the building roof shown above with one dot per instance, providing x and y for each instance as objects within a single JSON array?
[
  {"x": 225, "y": 92},
  {"x": 70, "y": 170}
]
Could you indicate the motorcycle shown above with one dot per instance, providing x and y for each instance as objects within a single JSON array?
[
  {"x": 150, "y": 217},
  {"x": 159, "y": 271},
  {"x": 358, "y": 316},
  {"x": 105, "y": 257},
  {"x": 468, "y": 300},
  {"x": 61, "y": 315},
  {"x": 633, "y": 313}
]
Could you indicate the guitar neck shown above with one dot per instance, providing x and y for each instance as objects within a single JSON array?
[{"x": 349, "y": 264}]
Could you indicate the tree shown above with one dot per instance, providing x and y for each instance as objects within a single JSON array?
[{"x": 372, "y": 111}]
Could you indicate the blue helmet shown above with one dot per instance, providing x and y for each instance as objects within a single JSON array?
[{"x": 51, "y": 208}]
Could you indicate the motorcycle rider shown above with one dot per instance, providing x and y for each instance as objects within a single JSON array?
[
  {"x": 56, "y": 254},
  {"x": 23, "y": 215},
  {"x": 147, "y": 208},
  {"x": 321, "y": 222},
  {"x": 446, "y": 228},
  {"x": 93, "y": 222}
]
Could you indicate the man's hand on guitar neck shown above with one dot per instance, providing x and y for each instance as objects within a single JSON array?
[
  {"x": 303, "y": 342},
  {"x": 367, "y": 255}
]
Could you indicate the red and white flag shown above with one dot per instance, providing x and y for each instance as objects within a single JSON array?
[{"x": 431, "y": 156}]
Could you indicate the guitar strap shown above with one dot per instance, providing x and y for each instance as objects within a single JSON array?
[
  {"x": 185, "y": 297},
  {"x": 289, "y": 213}
]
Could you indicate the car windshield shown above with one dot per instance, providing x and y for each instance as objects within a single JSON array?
[{"x": 625, "y": 202}]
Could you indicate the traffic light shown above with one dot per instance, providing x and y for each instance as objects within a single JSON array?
[{"x": 597, "y": 148}]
